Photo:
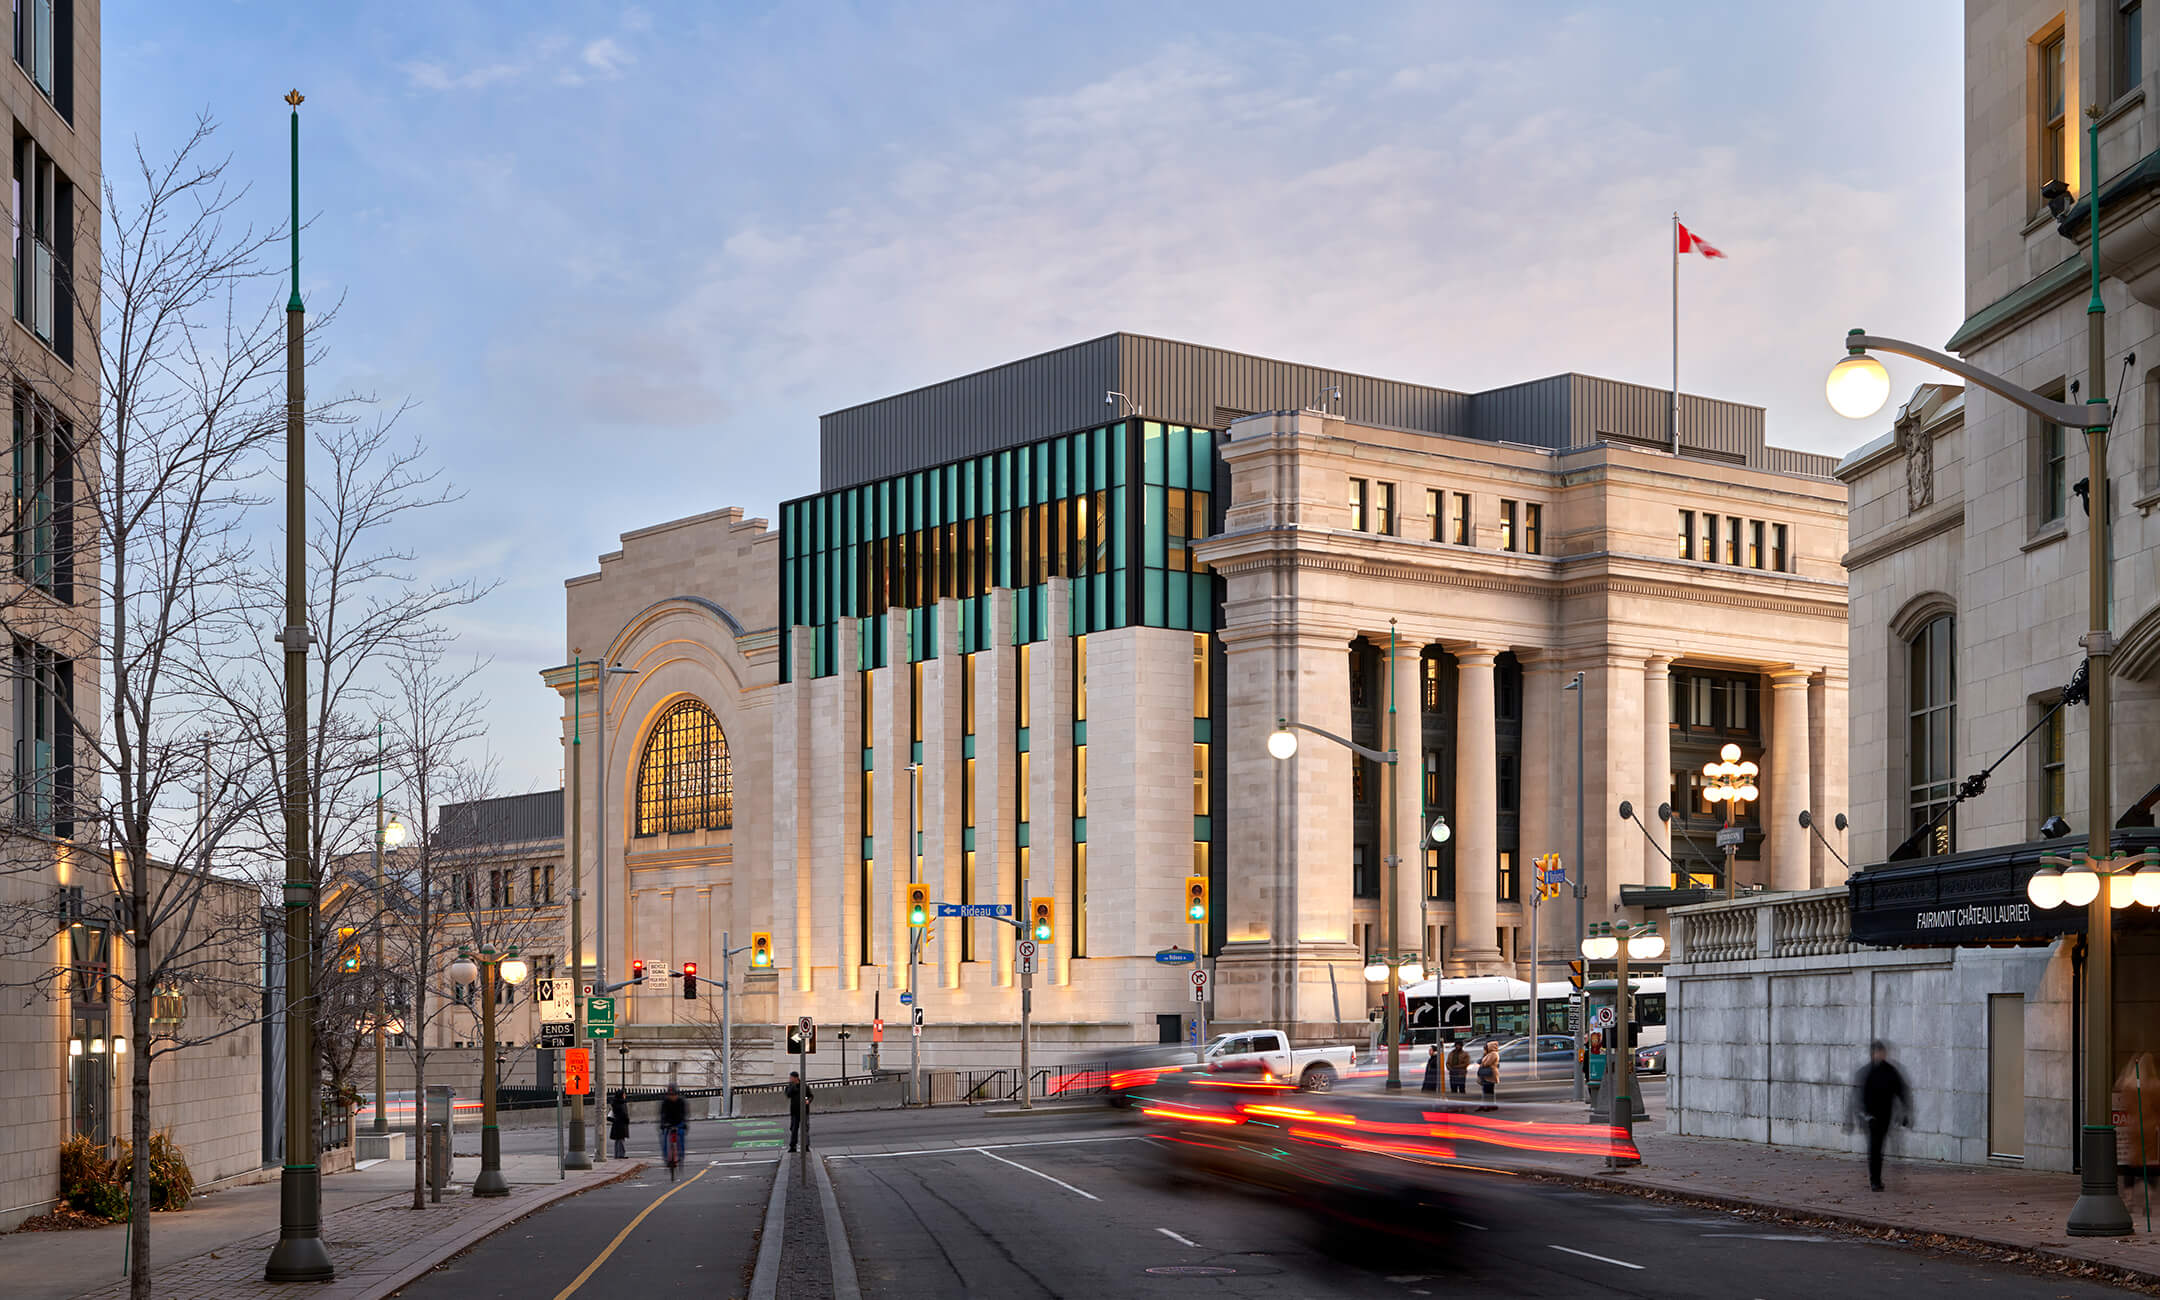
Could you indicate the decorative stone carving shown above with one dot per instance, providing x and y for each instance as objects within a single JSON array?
[{"x": 1919, "y": 448}]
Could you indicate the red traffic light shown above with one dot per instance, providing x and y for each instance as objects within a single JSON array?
[
  {"x": 689, "y": 979},
  {"x": 637, "y": 971},
  {"x": 689, "y": 968}
]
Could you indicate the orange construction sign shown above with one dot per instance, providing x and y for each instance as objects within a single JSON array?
[{"x": 577, "y": 1071}]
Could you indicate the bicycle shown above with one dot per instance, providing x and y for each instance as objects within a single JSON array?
[{"x": 671, "y": 1148}]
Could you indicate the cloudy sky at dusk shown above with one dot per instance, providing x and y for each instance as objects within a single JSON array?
[{"x": 622, "y": 257}]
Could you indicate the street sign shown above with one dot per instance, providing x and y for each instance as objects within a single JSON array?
[
  {"x": 1455, "y": 1011},
  {"x": 1731, "y": 837},
  {"x": 907, "y": 999},
  {"x": 557, "y": 1033},
  {"x": 544, "y": 990},
  {"x": 599, "y": 1011},
  {"x": 1606, "y": 1016},
  {"x": 1199, "y": 985},
  {"x": 802, "y": 1038},
  {"x": 1174, "y": 957},
  {"x": 917, "y": 1025},
  {"x": 974, "y": 909},
  {"x": 1024, "y": 953},
  {"x": 599, "y": 1031},
  {"x": 877, "y": 1030},
  {"x": 588, "y": 990},
  {"x": 577, "y": 1071}
]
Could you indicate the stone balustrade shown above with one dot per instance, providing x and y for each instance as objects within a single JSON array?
[{"x": 1809, "y": 923}]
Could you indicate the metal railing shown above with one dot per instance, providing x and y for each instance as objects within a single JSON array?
[{"x": 1065, "y": 1080}]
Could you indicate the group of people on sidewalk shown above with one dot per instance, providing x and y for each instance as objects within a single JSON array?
[
  {"x": 675, "y": 1114},
  {"x": 1457, "y": 1062}
]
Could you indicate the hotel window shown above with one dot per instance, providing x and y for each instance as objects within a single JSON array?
[
  {"x": 1384, "y": 513},
  {"x": 1733, "y": 524},
  {"x": 967, "y": 695},
  {"x": 2052, "y": 802},
  {"x": 44, "y": 740},
  {"x": 1533, "y": 528},
  {"x": 43, "y": 536},
  {"x": 1931, "y": 731},
  {"x": 1507, "y": 525},
  {"x": 2129, "y": 46},
  {"x": 1709, "y": 538},
  {"x": 1778, "y": 554},
  {"x": 1358, "y": 489},
  {"x": 1364, "y": 878},
  {"x": 1020, "y": 685},
  {"x": 44, "y": 244},
  {"x": 2053, "y": 133},
  {"x": 1687, "y": 534},
  {"x": 686, "y": 779},
  {"x": 2051, "y": 463},
  {"x": 1459, "y": 519},
  {"x": 1506, "y": 880},
  {"x": 1435, "y": 519},
  {"x": 45, "y": 47},
  {"x": 1202, "y": 803},
  {"x": 1755, "y": 544},
  {"x": 1200, "y": 705}
]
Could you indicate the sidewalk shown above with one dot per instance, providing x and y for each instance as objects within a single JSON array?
[
  {"x": 2001, "y": 1207},
  {"x": 217, "y": 1248}
]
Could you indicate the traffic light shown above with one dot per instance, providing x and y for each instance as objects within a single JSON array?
[
  {"x": 689, "y": 980},
  {"x": 918, "y": 905},
  {"x": 760, "y": 949},
  {"x": 637, "y": 970},
  {"x": 1575, "y": 974},
  {"x": 1196, "y": 899},
  {"x": 1040, "y": 924},
  {"x": 349, "y": 957}
]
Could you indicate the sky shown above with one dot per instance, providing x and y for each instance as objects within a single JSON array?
[{"x": 621, "y": 257}]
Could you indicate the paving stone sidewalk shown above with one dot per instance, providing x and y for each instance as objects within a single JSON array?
[{"x": 378, "y": 1245}]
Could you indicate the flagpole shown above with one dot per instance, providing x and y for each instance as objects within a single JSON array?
[{"x": 1672, "y": 243}]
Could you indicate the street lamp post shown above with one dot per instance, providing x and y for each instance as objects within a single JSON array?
[
  {"x": 1732, "y": 783},
  {"x": 914, "y": 952},
  {"x": 600, "y": 932},
  {"x": 1857, "y": 387},
  {"x": 1616, "y": 942},
  {"x": 1582, "y": 876},
  {"x": 511, "y": 969},
  {"x": 1283, "y": 745},
  {"x": 387, "y": 835}
]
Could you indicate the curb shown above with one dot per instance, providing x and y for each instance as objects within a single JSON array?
[
  {"x": 1964, "y": 1240},
  {"x": 1046, "y": 1111},
  {"x": 398, "y": 1281}
]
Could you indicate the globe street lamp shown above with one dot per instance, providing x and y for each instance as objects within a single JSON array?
[
  {"x": 512, "y": 970},
  {"x": 2099, "y": 1211},
  {"x": 1617, "y": 942},
  {"x": 1732, "y": 783}
]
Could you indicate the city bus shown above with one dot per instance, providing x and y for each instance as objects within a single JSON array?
[{"x": 1500, "y": 1007}]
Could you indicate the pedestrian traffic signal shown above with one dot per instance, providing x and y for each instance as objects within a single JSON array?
[
  {"x": 1040, "y": 924},
  {"x": 689, "y": 979},
  {"x": 637, "y": 971},
  {"x": 1196, "y": 899},
  {"x": 349, "y": 956},
  {"x": 918, "y": 905},
  {"x": 760, "y": 949}
]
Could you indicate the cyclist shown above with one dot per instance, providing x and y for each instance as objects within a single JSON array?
[{"x": 674, "y": 1127}]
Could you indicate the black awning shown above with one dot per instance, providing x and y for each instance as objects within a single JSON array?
[{"x": 1971, "y": 898}]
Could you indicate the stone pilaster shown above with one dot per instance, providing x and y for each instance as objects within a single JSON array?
[
  {"x": 1657, "y": 763},
  {"x": 794, "y": 783},
  {"x": 1475, "y": 816},
  {"x": 997, "y": 875},
  {"x": 1615, "y": 683},
  {"x": 892, "y": 712},
  {"x": 841, "y": 883},
  {"x": 1407, "y": 740},
  {"x": 1788, "y": 780},
  {"x": 1827, "y": 724},
  {"x": 1050, "y": 762},
  {"x": 1547, "y": 764},
  {"x": 941, "y": 788}
]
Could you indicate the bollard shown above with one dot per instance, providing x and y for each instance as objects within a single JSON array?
[{"x": 438, "y": 1157}]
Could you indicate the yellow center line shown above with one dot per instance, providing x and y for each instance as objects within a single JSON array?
[{"x": 602, "y": 1258}]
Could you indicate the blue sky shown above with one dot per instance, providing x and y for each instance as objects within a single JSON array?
[{"x": 622, "y": 257}]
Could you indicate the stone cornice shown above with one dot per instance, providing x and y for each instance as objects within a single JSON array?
[{"x": 1911, "y": 532}]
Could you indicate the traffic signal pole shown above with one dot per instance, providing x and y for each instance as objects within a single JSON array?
[{"x": 727, "y": 1030}]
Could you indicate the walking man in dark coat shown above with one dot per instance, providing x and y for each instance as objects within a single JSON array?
[
  {"x": 798, "y": 1110},
  {"x": 1882, "y": 1098}
]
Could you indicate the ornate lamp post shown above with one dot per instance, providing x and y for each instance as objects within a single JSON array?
[
  {"x": 510, "y": 969},
  {"x": 388, "y": 835},
  {"x": 1616, "y": 942},
  {"x": 1731, "y": 783}
]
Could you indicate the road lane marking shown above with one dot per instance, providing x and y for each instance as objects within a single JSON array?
[
  {"x": 1024, "y": 1169},
  {"x": 602, "y": 1257},
  {"x": 1474, "y": 1227},
  {"x": 987, "y": 1146},
  {"x": 1182, "y": 1241},
  {"x": 1602, "y": 1259}
]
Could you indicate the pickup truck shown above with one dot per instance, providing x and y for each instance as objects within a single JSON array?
[{"x": 1268, "y": 1051}]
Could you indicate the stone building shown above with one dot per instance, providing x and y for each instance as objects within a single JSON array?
[
  {"x": 1969, "y": 565},
  {"x": 1038, "y": 622}
]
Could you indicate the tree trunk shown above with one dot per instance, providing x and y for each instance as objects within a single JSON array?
[{"x": 139, "y": 1007}]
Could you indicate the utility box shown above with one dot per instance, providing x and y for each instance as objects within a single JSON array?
[{"x": 441, "y": 1105}]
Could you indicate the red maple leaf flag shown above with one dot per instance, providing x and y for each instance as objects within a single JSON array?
[{"x": 1694, "y": 243}]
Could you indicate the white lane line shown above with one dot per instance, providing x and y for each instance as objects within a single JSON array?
[
  {"x": 1037, "y": 1172},
  {"x": 1602, "y": 1259},
  {"x": 987, "y": 1146},
  {"x": 1474, "y": 1227},
  {"x": 1182, "y": 1241}
]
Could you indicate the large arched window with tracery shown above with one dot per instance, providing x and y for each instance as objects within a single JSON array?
[{"x": 685, "y": 780}]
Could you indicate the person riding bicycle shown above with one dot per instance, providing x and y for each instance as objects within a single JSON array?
[{"x": 674, "y": 1122}]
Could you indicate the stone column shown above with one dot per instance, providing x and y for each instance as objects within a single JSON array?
[
  {"x": 1548, "y": 765},
  {"x": 997, "y": 869},
  {"x": 1408, "y": 741},
  {"x": 892, "y": 720},
  {"x": 1050, "y": 764},
  {"x": 794, "y": 781},
  {"x": 1614, "y": 759},
  {"x": 941, "y": 788},
  {"x": 1827, "y": 722},
  {"x": 1657, "y": 764},
  {"x": 840, "y": 767},
  {"x": 1475, "y": 815},
  {"x": 1788, "y": 773}
]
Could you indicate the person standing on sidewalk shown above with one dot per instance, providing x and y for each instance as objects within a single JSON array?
[
  {"x": 1432, "y": 1069},
  {"x": 798, "y": 1110},
  {"x": 1881, "y": 1098},
  {"x": 1488, "y": 1074},
  {"x": 618, "y": 1111},
  {"x": 1458, "y": 1069}
]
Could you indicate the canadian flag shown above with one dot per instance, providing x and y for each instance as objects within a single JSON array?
[{"x": 1694, "y": 243}]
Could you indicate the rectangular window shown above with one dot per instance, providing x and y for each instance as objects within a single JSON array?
[
  {"x": 1080, "y": 781},
  {"x": 44, "y": 48},
  {"x": 1020, "y": 686},
  {"x": 1778, "y": 556},
  {"x": 1201, "y": 801},
  {"x": 2129, "y": 46},
  {"x": 1755, "y": 544},
  {"x": 1709, "y": 538},
  {"x": 44, "y": 237},
  {"x": 1507, "y": 525},
  {"x": 2052, "y": 801},
  {"x": 1533, "y": 528},
  {"x": 1687, "y": 534},
  {"x": 1384, "y": 512},
  {"x": 915, "y": 706},
  {"x": 1357, "y": 504},
  {"x": 1080, "y": 691},
  {"x": 1435, "y": 518},
  {"x": 1505, "y": 784},
  {"x": 1200, "y": 706},
  {"x": 967, "y": 696},
  {"x": 1021, "y": 802},
  {"x": 1079, "y": 899},
  {"x": 967, "y": 895},
  {"x": 2053, "y": 132},
  {"x": 1506, "y": 881},
  {"x": 1364, "y": 875},
  {"x": 44, "y": 740},
  {"x": 1459, "y": 520},
  {"x": 2052, "y": 486},
  {"x": 41, "y": 537}
]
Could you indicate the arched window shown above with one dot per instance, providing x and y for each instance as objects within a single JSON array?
[
  {"x": 1931, "y": 730},
  {"x": 685, "y": 780}
]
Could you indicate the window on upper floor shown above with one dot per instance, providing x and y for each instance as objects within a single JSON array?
[
  {"x": 44, "y": 202},
  {"x": 1358, "y": 490},
  {"x": 1733, "y": 524},
  {"x": 1533, "y": 528},
  {"x": 2050, "y": 468},
  {"x": 2048, "y": 754},
  {"x": 44, "y": 740},
  {"x": 1687, "y": 534},
  {"x": 45, "y": 49},
  {"x": 1709, "y": 538},
  {"x": 1507, "y": 525},
  {"x": 1755, "y": 549},
  {"x": 686, "y": 779},
  {"x": 2128, "y": 38},
  {"x": 43, "y": 533},
  {"x": 1779, "y": 555},
  {"x": 1459, "y": 527},
  {"x": 1384, "y": 510},
  {"x": 1434, "y": 518},
  {"x": 1931, "y": 732},
  {"x": 2049, "y": 99}
]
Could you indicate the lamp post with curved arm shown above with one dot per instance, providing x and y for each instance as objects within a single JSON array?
[{"x": 1856, "y": 388}]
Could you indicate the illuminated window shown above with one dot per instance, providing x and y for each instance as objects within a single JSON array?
[
  {"x": 1357, "y": 504},
  {"x": 1931, "y": 720},
  {"x": 1199, "y": 675},
  {"x": 1778, "y": 554},
  {"x": 2053, "y": 133},
  {"x": 686, "y": 781},
  {"x": 1533, "y": 528},
  {"x": 1507, "y": 525},
  {"x": 1384, "y": 513},
  {"x": 1459, "y": 520},
  {"x": 1687, "y": 534}
]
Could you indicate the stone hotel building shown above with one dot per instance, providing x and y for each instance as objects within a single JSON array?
[{"x": 1034, "y": 628}]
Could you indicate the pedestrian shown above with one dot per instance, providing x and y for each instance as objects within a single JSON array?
[
  {"x": 1432, "y": 1068},
  {"x": 1488, "y": 1073},
  {"x": 1880, "y": 1098},
  {"x": 1458, "y": 1070},
  {"x": 618, "y": 1117},
  {"x": 798, "y": 1099}
]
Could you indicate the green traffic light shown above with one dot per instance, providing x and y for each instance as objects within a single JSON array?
[
  {"x": 1042, "y": 929},
  {"x": 1196, "y": 912}
]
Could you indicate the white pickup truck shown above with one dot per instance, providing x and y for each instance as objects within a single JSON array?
[{"x": 1268, "y": 1051}]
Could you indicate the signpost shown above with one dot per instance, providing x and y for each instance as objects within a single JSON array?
[
  {"x": 1731, "y": 837},
  {"x": 917, "y": 1025},
  {"x": 1025, "y": 952},
  {"x": 577, "y": 1071},
  {"x": 997, "y": 910},
  {"x": 557, "y": 1033},
  {"x": 1454, "y": 1011},
  {"x": 1175, "y": 957}
]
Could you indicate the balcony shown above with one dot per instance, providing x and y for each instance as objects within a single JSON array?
[{"x": 1763, "y": 927}]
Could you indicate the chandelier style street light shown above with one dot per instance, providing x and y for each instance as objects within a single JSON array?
[{"x": 512, "y": 970}]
